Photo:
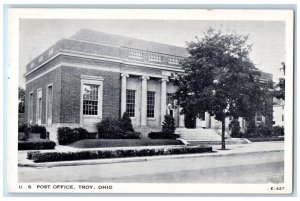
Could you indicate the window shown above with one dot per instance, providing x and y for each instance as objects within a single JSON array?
[
  {"x": 90, "y": 99},
  {"x": 135, "y": 54},
  {"x": 39, "y": 106},
  {"x": 150, "y": 104},
  {"x": 130, "y": 102},
  {"x": 173, "y": 60},
  {"x": 30, "y": 111},
  {"x": 49, "y": 102},
  {"x": 155, "y": 57}
]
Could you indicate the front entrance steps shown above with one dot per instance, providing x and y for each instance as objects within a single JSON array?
[
  {"x": 198, "y": 134},
  {"x": 146, "y": 130}
]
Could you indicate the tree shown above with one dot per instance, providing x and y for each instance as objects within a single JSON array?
[
  {"x": 279, "y": 93},
  {"x": 21, "y": 100},
  {"x": 220, "y": 79},
  {"x": 126, "y": 123},
  {"x": 235, "y": 128},
  {"x": 168, "y": 126}
]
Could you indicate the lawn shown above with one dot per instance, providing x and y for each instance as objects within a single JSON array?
[{"x": 98, "y": 143}]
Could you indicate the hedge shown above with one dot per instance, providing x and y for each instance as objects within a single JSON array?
[
  {"x": 66, "y": 135},
  {"x": 98, "y": 143},
  {"x": 32, "y": 128},
  {"x": 118, "y": 153},
  {"x": 162, "y": 135},
  {"x": 35, "y": 145},
  {"x": 265, "y": 139}
]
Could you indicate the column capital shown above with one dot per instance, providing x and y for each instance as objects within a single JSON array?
[
  {"x": 124, "y": 75},
  {"x": 144, "y": 77},
  {"x": 165, "y": 79}
]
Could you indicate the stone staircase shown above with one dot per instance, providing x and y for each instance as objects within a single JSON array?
[
  {"x": 198, "y": 134},
  {"x": 146, "y": 130}
]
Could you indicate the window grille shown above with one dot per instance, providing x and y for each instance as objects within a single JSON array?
[
  {"x": 130, "y": 102},
  {"x": 90, "y": 99},
  {"x": 173, "y": 60},
  {"x": 150, "y": 104},
  {"x": 135, "y": 54},
  {"x": 30, "y": 107},
  {"x": 49, "y": 103},
  {"x": 155, "y": 57}
]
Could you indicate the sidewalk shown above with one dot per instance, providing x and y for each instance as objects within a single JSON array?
[{"x": 236, "y": 149}]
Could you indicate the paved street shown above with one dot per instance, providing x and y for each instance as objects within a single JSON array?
[{"x": 259, "y": 167}]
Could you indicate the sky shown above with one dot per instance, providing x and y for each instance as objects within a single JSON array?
[{"x": 267, "y": 37}]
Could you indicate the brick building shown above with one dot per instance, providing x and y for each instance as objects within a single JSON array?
[{"x": 93, "y": 75}]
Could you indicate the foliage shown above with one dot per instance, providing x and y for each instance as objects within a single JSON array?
[
  {"x": 35, "y": 145},
  {"x": 189, "y": 120},
  {"x": 115, "y": 153},
  {"x": 235, "y": 128},
  {"x": 21, "y": 100},
  {"x": 111, "y": 128},
  {"x": 66, "y": 135},
  {"x": 125, "y": 123},
  {"x": 162, "y": 135},
  {"x": 80, "y": 133},
  {"x": 32, "y": 128},
  {"x": 220, "y": 79},
  {"x": 168, "y": 126},
  {"x": 278, "y": 131},
  {"x": 279, "y": 93},
  {"x": 98, "y": 143},
  {"x": 251, "y": 127},
  {"x": 263, "y": 131},
  {"x": 265, "y": 139}
]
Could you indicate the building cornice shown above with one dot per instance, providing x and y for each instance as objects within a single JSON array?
[{"x": 105, "y": 58}]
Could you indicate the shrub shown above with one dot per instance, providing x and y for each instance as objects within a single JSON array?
[
  {"x": 38, "y": 129},
  {"x": 125, "y": 123},
  {"x": 251, "y": 127},
  {"x": 35, "y": 145},
  {"x": 168, "y": 126},
  {"x": 80, "y": 133},
  {"x": 278, "y": 130},
  {"x": 234, "y": 126},
  {"x": 33, "y": 128},
  {"x": 66, "y": 135},
  {"x": 131, "y": 135},
  {"x": 109, "y": 128},
  {"x": 162, "y": 135},
  {"x": 118, "y": 153},
  {"x": 263, "y": 131}
]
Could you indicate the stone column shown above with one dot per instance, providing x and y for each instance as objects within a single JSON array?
[
  {"x": 181, "y": 119},
  {"x": 144, "y": 101},
  {"x": 198, "y": 123},
  {"x": 123, "y": 93},
  {"x": 207, "y": 120},
  {"x": 163, "y": 105}
]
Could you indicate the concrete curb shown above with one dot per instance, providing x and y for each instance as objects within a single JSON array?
[{"x": 134, "y": 159}]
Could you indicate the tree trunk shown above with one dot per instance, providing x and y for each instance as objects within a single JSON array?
[{"x": 223, "y": 134}]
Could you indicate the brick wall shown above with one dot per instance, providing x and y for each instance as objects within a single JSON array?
[
  {"x": 70, "y": 104},
  {"x": 42, "y": 82}
]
